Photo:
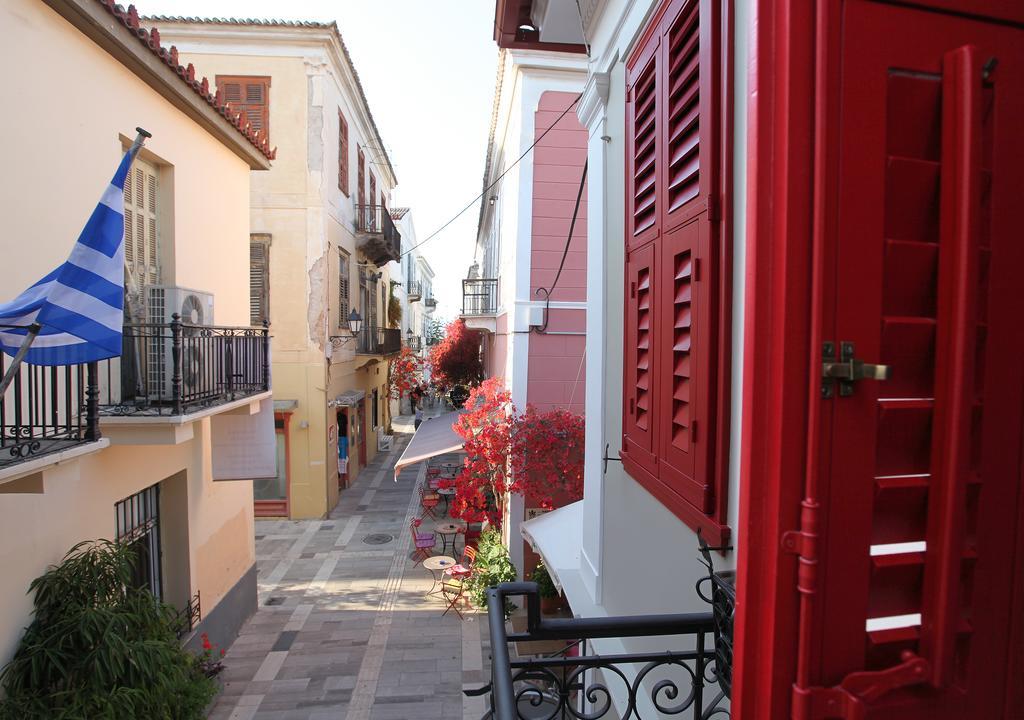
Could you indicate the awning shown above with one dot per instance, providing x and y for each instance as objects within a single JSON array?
[
  {"x": 557, "y": 537},
  {"x": 435, "y": 436},
  {"x": 349, "y": 398}
]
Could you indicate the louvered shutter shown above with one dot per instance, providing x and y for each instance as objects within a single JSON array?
[
  {"x": 686, "y": 136},
  {"x": 640, "y": 378},
  {"x": 343, "y": 289},
  {"x": 373, "y": 189},
  {"x": 643, "y": 130},
  {"x": 361, "y": 177},
  {"x": 343, "y": 150},
  {"x": 259, "y": 282},
  {"x": 141, "y": 234},
  {"x": 250, "y": 96}
]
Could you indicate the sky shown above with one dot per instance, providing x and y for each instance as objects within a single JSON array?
[{"x": 428, "y": 69}]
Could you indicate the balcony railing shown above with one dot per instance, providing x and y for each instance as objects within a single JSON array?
[
  {"x": 47, "y": 410},
  {"x": 414, "y": 289},
  {"x": 480, "y": 296},
  {"x": 178, "y": 368},
  {"x": 376, "y": 234},
  {"x": 430, "y": 303},
  {"x": 378, "y": 341},
  {"x": 414, "y": 343},
  {"x": 577, "y": 682}
]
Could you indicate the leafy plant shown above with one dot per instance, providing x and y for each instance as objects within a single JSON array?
[
  {"x": 98, "y": 647},
  {"x": 491, "y": 567},
  {"x": 394, "y": 310},
  {"x": 455, "y": 360},
  {"x": 406, "y": 373},
  {"x": 545, "y": 586}
]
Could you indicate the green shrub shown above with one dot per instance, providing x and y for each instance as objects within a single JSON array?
[
  {"x": 545, "y": 585},
  {"x": 99, "y": 648},
  {"x": 491, "y": 567}
]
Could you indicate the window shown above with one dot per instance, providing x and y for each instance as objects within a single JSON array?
[
  {"x": 138, "y": 526},
  {"x": 141, "y": 244},
  {"x": 373, "y": 188},
  {"x": 376, "y": 411},
  {"x": 343, "y": 151},
  {"x": 249, "y": 95},
  {"x": 343, "y": 288},
  {"x": 361, "y": 177},
  {"x": 259, "y": 279},
  {"x": 674, "y": 319}
]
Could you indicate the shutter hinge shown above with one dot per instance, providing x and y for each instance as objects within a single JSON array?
[
  {"x": 804, "y": 544},
  {"x": 714, "y": 208},
  {"x": 850, "y": 699}
]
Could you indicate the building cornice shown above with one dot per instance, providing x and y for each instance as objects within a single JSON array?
[{"x": 594, "y": 100}]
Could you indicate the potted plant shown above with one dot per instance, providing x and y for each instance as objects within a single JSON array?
[
  {"x": 491, "y": 567},
  {"x": 550, "y": 598}
]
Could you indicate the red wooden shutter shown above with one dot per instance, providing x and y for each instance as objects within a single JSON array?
[
  {"x": 361, "y": 177},
  {"x": 343, "y": 151},
  {"x": 640, "y": 381},
  {"x": 250, "y": 96},
  {"x": 684, "y": 131},
  {"x": 643, "y": 130}
]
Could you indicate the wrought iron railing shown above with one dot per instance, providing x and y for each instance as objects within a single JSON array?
[
  {"x": 414, "y": 290},
  {"x": 379, "y": 239},
  {"x": 480, "y": 296},
  {"x": 414, "y": 343},
  {"x": 588, "y": 685},
  {"x": 47, "y": 410},
  {"x": 373, "y": 340},
  {"x": 189, "y": 616},
  {"x": 430, "y": 302},
  {"x": 176, "y": 368}
]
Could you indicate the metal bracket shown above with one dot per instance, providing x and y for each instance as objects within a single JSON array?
[
  {"x": 850, "y": 699},
  {"x": 848, "y": 370}
]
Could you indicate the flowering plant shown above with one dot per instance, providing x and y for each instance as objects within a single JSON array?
[
  {"x": 456, "y": 359},
  {"x": 210, "y": 661},
  {"x": 406, "y": 373}
]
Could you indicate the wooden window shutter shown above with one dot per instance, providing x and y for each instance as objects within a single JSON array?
[
  {"x": 640, "y": 381},
  {"x": 683, "y": 108},
  {"x": 141, "y": 232},
  {"x": 259, "y": 281},
  {"x": 361, "y": 177},
  {"x": 373, "y": 188},
  {"x": 642, "y": 160},
  {"x": 249, "y": 95},
  {"x": 343, "y": 152},
  {"x": 343, "y": 289}
]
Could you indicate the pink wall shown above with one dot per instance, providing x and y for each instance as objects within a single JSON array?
[
  {"x": 496, "y": 351},
  {"x": 556, "y": 371}
]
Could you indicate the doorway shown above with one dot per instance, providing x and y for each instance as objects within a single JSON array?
[{"x": 271, "y": 495}]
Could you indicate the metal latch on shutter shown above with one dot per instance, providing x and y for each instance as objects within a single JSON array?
[
  {"x": 850, "y": 699},
  {"x": 847, "y": 370}
]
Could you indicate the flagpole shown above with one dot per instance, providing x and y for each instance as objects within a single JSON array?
[{"x": 35, "y": 328}]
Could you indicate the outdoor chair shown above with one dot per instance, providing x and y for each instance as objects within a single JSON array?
[
  {"x": 453, "y": 589},
  {"x": 429, "y": 501},
  {"x": 465, "y": 566},
  {"x": 471, "y": 534},
  {"x": 433, "y": 472},
  {"x": 423, "y": 541}
]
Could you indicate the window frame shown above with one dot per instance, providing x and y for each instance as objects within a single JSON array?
[
  {"x": 343, "y": 153},
  {"x": 264, "y": 240},
  {"x": 709, "y": 391},
  {"x": 264, "y": 107},
  {"x": 344, "y": 287}
]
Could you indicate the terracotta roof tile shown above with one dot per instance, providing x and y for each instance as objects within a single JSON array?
[
  {"x": 187, "y": 73},
  {"x": 398, "y": 213}
]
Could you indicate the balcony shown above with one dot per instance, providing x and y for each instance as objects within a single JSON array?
[
  {"x": 414, "y": 343},
  {"x": 176, "y": 368},
  {"x": 430, "y": 303},
  {"x": 376, "y": 235},
  {"x": 46, "y": 412},
  {"x": 414, "y": 290},
  {"x": 373, "y": 340},
  {"x": 480, "y": 303},
  {"x": 577, "y": 681}
]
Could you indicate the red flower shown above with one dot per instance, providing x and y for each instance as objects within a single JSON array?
[
  {"x": 222, "y": 652},
  {"x": 206, "y": 642}
]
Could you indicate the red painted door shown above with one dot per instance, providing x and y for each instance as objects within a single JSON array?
[{"x": 920, "y": 474}]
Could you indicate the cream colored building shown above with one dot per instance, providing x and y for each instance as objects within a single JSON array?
[
  {"x": 321, "y": 225},
  {"x": 138, "y": 462}
]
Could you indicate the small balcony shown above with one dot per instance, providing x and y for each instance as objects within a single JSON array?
[
  {"x": 414, "y": 290},
  {"x": 430, "y": 303},
  {"x": 480, "y": 303},
  {"x": 579, "y": 681},
  {"x": 414, "y": 343},
  {"x": 376, "y": 235},
  {"x": 373, "y": 340},
  {"x": 176, "y": 368},
  {"x": 45, "y": 412}
]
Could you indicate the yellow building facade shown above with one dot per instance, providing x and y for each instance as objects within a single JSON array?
[
  {"x": 324, "y": 244},
  {"x": 139, "y": 465}
]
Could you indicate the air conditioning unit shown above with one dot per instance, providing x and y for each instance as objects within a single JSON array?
[{"x": 197, "y": 368}]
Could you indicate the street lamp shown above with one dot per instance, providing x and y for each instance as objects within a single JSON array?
[
  {"x": 355, "y": 322},
  {"x": 408, "y": 337}
]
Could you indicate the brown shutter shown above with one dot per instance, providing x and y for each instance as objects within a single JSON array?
[
  {"x": 361, "y": 177},
  {"x": 343, "y": 151},
  {"x": 259, "y": 282},
  {"x": 249, "y": 95},
  {"x": 343, "y": 289}
]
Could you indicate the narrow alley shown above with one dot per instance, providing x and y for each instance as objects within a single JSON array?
[{"x": 344, "y": 629}]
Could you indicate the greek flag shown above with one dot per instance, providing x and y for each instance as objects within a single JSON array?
[{"x": 80, "y": 305}]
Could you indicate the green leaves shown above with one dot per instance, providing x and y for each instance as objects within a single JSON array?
[
  {"x": 99, "y": 648},
  {"x": 491, "y": 567}
]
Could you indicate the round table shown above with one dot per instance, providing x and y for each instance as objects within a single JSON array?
[
  {"x": 447, "y": 531},
  {"x": 437, "y": 564},
  {"x": 446, "y": 494}
]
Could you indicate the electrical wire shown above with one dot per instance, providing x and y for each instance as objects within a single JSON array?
[
  {"x": 565, "y": 251},
  {"x": 496, "y": 180}
]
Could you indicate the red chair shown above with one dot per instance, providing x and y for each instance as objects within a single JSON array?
[
  {"x": 465, "y": 567},
  {"x": 433, "y": 472},
  {"x": 453, "y": 589},
  {"x": 429, "y": 501},
  {"x": 424, "y": 542}
]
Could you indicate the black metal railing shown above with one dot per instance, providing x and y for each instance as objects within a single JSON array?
[
  {"x": 46, "y": 410},
  {"x": 430, "y": 302},
  {"x": 579, "y": 683},
  {"x": 480, "y": 296},
  {"x": 189, "y": 616},
  {"x": 373, "y": 340},
  {"x": 414, "y": 343},
  {"x": 414, "y": 290},
  {"x": 378, "y": 238},
  {"x": 176, "y": 368}
]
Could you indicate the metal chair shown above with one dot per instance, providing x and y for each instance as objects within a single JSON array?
[
  {"x": 465, "y": 566},
  {"x": 429, "y": 501},
  {"x": 453, "y": 589},
  {"x": 424, "y": 542}
]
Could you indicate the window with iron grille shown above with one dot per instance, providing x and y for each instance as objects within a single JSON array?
[
  {"x": 259, "y": 279},
  {"x": 673, "y": 438},
  {"x": 343, "y": 151},
  {"x": 138, "y": 527},
  {"x": 249, "y": 95},
  {"x": 343, "y": 288}
]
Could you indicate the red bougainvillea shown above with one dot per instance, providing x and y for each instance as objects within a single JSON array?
[
  {"x": 456, "y": 359},
  {"x": 406, "y": 373},
  {"x": 538, "y": 454}
]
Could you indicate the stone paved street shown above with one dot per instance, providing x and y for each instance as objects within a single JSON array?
[{"x": 343, "y": 630}]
